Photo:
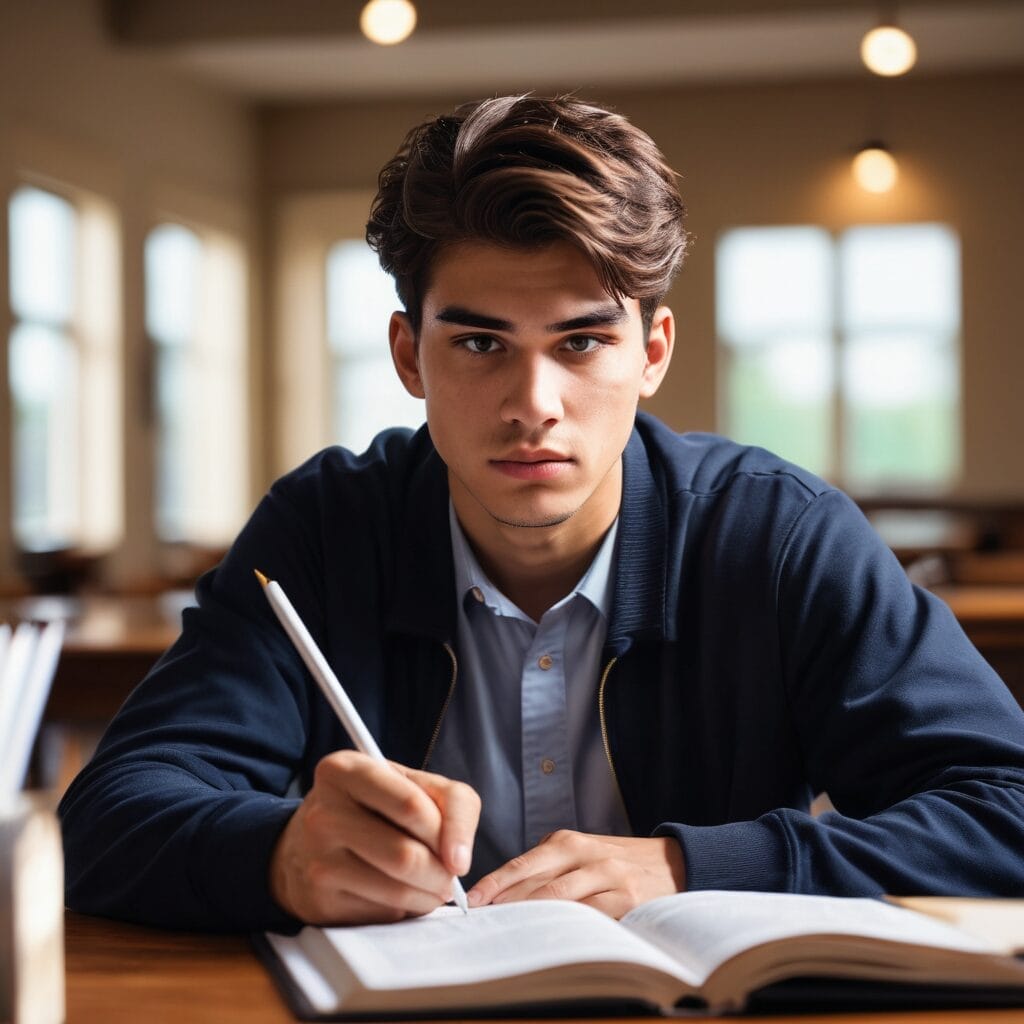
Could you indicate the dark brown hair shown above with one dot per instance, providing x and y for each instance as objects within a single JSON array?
[{"x": 526, "y": 171}]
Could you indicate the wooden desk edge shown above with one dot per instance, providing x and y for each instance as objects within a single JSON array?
[{"x": 119, "y": 972}]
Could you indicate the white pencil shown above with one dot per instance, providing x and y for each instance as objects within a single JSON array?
[{"x": 331, "y": 687}]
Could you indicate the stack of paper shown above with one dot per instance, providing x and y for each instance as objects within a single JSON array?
[{"x": 28, "y": 660}]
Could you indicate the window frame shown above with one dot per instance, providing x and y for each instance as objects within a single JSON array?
[
  {"x": 95, "y": 331},
  {"x": 206, "y": 531},
  {"x": 838, "y": 341}
]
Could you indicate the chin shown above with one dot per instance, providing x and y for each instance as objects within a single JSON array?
[{"x": 537, "y": 520}]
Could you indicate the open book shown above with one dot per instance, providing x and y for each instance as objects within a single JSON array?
[{"x": 710, "y": 948}]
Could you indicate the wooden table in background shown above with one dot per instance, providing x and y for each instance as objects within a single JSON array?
[
  {"x": 992, "y": 616},
  {"x": 110, "y": 644},
  {"x": 123, "y": 974},
  {"x": 112, "y": 641}
]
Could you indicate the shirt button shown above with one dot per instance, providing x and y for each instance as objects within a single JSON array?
[
  {"x": 545, "y": 661},
  {"x": 478, "y": 594},
  {"x": 547, "y": 766}
]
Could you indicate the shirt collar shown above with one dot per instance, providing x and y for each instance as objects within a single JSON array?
[{"x": 596, "y": 584}]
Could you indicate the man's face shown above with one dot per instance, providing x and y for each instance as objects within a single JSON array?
[{"x": 531, "y": 373}]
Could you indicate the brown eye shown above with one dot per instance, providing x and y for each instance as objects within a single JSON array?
[
  {"x": 479, "y": 344},
  {"x": 583, "y": 343}
]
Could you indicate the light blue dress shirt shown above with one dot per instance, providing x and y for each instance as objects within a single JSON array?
[{"x": 523, "y": 727}]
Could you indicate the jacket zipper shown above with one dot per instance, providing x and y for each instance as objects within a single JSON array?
[
  {"x": 604, "y": 727},
  {"x": 444, "y": 708}
]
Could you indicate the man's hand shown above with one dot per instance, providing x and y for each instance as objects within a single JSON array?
[
  {"x": 612, "y": 873},
  {"x": 373, "y": 842}
]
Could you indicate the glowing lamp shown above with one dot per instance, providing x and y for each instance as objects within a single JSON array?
[
  {"x": 874, "y": 168},
  {"x": 387, "y": 22},
  {"x": 888, "y": 50}
]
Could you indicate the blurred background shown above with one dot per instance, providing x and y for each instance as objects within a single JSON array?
[{"x": 190, "y": 309}]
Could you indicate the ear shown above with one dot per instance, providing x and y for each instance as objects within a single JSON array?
[
  {"x": 660, "y": 343},
  {"x": 405, "y": 354}
]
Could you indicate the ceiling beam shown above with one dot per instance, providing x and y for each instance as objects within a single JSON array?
[{"x": 183, "y": 22}]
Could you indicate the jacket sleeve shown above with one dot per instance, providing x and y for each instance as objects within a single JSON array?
[
  {"x": 917, "y": 742},
  {"x": 174, "y": 820}
]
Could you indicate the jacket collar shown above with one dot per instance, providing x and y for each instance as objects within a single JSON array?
[
  {"x": 424, "y": 596},
  {"x": 638, "y": 608}
]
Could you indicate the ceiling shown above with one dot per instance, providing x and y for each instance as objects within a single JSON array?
[{"x": 292, "y": 50}]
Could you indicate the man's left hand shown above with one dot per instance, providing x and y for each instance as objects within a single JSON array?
[{"x": 611, "y": 873}]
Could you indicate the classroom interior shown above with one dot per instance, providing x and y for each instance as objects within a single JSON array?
[{"x": 215, "y": 163}]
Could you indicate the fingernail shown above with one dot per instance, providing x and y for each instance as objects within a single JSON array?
[
  {"x": 461, "y": 858},
  {"x": 473, "y": 898}
]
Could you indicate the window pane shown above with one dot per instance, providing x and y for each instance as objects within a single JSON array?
[
  {"x": 173, "y": 263},
  {"x": 368, "y": 398},
  {"x": 172, "y": 407},
  {"x": 42, "y": 249},
  {"x": 780, "y": 396},
  {"x": 901, "y": 411},
  {"x": 367, "y": 395},
  {"x": 196, "y": 316},
  {"x": 905, "y": 275},
  {"x": 771, "y": 280},
  {"x": 43, "y": 374},
  {"x": 360, "y": 299}
]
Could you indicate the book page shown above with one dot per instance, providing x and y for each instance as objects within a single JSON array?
[
  {"x": 703, "y": 930},
  {"x": 448, "y": 947}
]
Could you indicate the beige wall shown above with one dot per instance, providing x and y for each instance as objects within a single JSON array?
[{"x": 777, "y": 154}]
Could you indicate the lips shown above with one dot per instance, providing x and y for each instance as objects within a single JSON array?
[
  {"x": 535, "y": 455},
  {"x": 540, "y": 464}
]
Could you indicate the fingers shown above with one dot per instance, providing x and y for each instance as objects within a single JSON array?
[
  {"x": 459, "y": 806},
  {"x": 555, "y": 854},
  {"x": 378, "y": 787},
  {"x": 363, "y": 844},
  {"x": 348, "y": 889},
  {"x": 393, "y": 853},
  {"x": 613, "y": 874}
]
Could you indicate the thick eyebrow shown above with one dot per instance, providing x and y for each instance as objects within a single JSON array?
[
  {"x": 605, "y": 316},
  {"x": 463, "y": 317}
]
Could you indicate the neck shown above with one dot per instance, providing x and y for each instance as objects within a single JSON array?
[
  {"x": 536, "y": 566},
  {"x": 539, "y": 577}
]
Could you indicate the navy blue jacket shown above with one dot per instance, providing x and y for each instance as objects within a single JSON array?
[{"x": 763, "y": 646}]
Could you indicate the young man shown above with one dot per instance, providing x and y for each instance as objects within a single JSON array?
[{"x": 611, "y": 662}]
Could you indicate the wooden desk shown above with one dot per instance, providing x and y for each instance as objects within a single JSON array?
[{"x": 123, "y": 974}]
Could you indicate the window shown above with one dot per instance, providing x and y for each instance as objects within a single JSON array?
[
  {"x": 195, "y": 319},
  {"x": 367, "y": 395},
  {"x": 64, "y": 362},
  {"x": 841, "y": 353}
]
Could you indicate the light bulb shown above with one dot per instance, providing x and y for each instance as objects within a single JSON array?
[
  {"x": 888, "y": 51},
  {"x": 874, "y": 168},
  {"x": 387, "y": 22}
]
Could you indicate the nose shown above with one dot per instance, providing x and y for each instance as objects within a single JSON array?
[{"x": 533, "y": 397}]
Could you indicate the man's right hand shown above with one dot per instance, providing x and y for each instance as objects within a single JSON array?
[{"x": 373, "y": 842}]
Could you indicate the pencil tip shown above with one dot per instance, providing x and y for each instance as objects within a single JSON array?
[{"x": 263, "y": 579}]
